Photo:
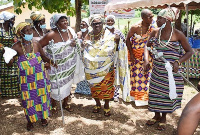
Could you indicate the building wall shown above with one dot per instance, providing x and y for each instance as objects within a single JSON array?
[{"x": 25, "y": 16}]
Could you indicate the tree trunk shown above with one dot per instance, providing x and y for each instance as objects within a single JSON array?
[
  {"x": 178, "y": 22},
  {"x": 78, "y": 4}
]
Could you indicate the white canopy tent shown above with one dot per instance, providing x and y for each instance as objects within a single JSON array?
[{"x": 117, "y": 5}]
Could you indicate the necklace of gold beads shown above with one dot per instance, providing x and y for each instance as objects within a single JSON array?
[{"x": 28, "y": 57}]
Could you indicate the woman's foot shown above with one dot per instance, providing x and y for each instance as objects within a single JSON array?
[
  {"x": 44, "y": 122},
  {"x": 96, "y": 109},
  {"x": 107, "y": 112},
  {"x": 29, "y": 126},
  {"x": 154, "y": 120}
]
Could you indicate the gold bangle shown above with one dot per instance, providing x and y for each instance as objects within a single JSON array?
[{"x": 178, "y": 62}]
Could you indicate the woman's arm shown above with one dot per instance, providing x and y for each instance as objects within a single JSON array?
[{"x": 188, "y": 50}]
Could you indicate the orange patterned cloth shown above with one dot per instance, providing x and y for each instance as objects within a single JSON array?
[
  {"x": 105, "y": 89},
  {"x": 138, "y": 53}
]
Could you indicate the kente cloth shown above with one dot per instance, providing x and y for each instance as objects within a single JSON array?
[
  {"x": 194, "y": 66},
  {"x": 99, "y": 57},
  {"x": 159, "y": 100},
  {"x": 105, "y": 89},
  {"x": 139, "y": 80},
  {"x": 66, "y": 58},
  {"x": 9, "y": 83},
  {"x": 35, "y": 87},
  {"x": 20, "y": 26},
  {"x": 37, "y": 16},
  {"x": 83, "y": 87},
  {"x": 121, "y": 60}
]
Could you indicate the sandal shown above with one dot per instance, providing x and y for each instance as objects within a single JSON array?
[
  {"x": 161, "y": 126},
  {"x": 44, "y": 122},
  {"x": 29, "y": 126},
  {"x": 68, "y": 108},
  {"x": 152, "y": 122},
  {"x": 96, "y": 109},
  {"x": 107, "y": 112}
]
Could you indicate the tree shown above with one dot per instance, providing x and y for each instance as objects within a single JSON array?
[{"x": 51, "y": 6}]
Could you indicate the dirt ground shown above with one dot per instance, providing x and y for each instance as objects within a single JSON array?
[{"x": 126, "y": 119}]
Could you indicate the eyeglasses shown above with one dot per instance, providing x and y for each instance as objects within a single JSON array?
[{"x": 97, "y": 23}]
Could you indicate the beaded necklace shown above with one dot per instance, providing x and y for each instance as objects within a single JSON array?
[
  {"x": 38, "y": 32},
  {"x": 28, "y": 57},
  {"x": 168, "y": 39}
]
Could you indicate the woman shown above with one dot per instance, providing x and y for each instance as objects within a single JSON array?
[
  {"x": 9, "y": 86},
  {"x": 110, "y": 21},
  {"x": 34, "y": 85},
  {"x": 65, "y": 56},
  {"x": 83, "y": 86},
  {"x": 168, "y": 40},
  {"x": 39, "y": 25},
  {"x": 99, "y": 55}
]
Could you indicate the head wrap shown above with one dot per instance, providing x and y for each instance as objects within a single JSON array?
[
  {"x": 36, "y": 16},
  {"x": 20, "y": 26},
  {"x": 95, "y": 16},
  {"x": 6, "y": 15},
  {"x": 110, "y": 16},
  {"x": 54, "y": 19},
  {"x": 86, "y": 21},
  {"x": 170, "y": 14}
]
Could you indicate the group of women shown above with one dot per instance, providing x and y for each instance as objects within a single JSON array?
[{"x": 103, "y": 54}]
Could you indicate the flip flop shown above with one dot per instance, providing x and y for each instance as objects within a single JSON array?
[
  {"x": 96, "y": 109},
  {"x": 107, "y": 112},
  {"x": 152, "y": 122},
  {"x": 161, "y": 126},
  {"x": 68, "y": 108}
]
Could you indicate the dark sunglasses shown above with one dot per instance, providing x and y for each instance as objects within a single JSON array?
[{"x": 98, "y": 23}]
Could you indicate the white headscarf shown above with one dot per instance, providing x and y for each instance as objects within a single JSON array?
[
  {"x": 6, "y": 15},
  {"x": 110, "y": 16},
  {"x": 54, "y": 19},
  {"x": 86, "y": 21}
]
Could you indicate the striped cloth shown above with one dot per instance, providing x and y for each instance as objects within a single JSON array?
[
  {"x": 35, "y": 88},
  {"x": 159, "y": 100},
  {"x": 66, "y": 58},
  {"x": 9, "y": 83}
]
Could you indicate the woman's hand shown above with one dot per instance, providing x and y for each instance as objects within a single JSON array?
[
  {"x": 146, "y": 66},
  {"x": 47, "y": 66},
  {"x": 175, "y": 66},
  {"x": 117, "y": 38},
  {"x": 73, "y": 43}
]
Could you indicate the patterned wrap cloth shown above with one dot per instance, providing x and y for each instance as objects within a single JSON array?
[
  {"x": 6, "y": 15},
  {"x": 99, "y": 66},
  {"x": 35, "y": 87},
  {"x": 138, "y": 79},
  {"x": 170, "y": 14},
  {"x": 37, "y": 16},
  {"x": 66, "y": 57},
  {"x": 159, "y": 100},
  {"x": 9, "y": 81}
]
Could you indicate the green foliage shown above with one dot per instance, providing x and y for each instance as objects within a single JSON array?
[
  {"x": 51, "y": 6},
  {"x": 86, "y": 12}
]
